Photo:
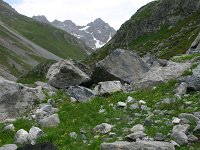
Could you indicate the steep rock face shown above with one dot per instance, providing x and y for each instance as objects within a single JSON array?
[
  {"x": 94, "y": 34},
  {"x": 152, "y": 17},
  {"x": 120, "y": 65},
  {"x": 164, "y": 28}
]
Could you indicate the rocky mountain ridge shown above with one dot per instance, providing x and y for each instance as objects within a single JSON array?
[
  {"x": 164, "y": 28},
  {"x": 95, "y": 34}
]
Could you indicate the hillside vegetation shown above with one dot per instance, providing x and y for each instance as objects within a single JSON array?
[
  {"x": 18, "y": 31},
  {"x": 164, "y": 28}
]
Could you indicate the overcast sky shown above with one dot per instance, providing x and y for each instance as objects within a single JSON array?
[{"x": 114, "y": 12}]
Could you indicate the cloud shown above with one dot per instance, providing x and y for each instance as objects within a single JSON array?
[{"x": 114, "y": 12}]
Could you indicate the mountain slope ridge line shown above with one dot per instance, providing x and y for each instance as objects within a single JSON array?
[{"x": 36, "y": 47}]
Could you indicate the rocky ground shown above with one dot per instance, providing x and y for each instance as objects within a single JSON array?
[{"x": 156, "y": 107}]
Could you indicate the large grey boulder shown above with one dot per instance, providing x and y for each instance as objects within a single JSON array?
[
  {"x": 195, "y": 47},
  {"x": 9, "y": 147},
  {"x": 181, "y": 89},
  {"x": 181, "y": 128},
  {"x": 21, "y": 137},
  {"x": 190, "y": 117},
  {"x": 197, "y": 130},
  {"x": 196, "y": 71},
  {"x": 40, "y": 146},
  {"x": 137, "y": 128},
  {"x": 67, "y": 73},
  {"x": 193, "y": 82},
  {"x": 16, "y": 99},
  {"x": 180, "y": 138},
  {"x": 81, "y": 94},
  {"x": 157, "y": 75},
  {"x": 108, "y": 87},
  {"x": 139, "y": 145},
  {"x": 120, "y": 65},
  {"x": 50, "y": 121},
  {"x": 33, "y": 134}
]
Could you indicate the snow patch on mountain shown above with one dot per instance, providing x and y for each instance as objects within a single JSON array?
[{"x": 95, "y": 34}]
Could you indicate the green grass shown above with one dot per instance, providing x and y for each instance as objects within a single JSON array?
[
  {"x": 184, "y": 58},
  {"x": 7, "y": 137},
  {"x": 76, "y": 116},
  {"x": 38, "y": 73},
  {"x": 54, "y": 40}
]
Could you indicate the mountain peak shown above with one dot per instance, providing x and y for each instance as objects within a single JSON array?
[
  {"x": 95, "y": 34},
  {"x": 41, "y": 18},
  {"x": 98, "y": 20}
]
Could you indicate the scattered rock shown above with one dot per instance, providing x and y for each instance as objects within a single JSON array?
[
  {"x": 9, "y": 147},
  {"x": 197, "y": 130},
  {"x": 192, "y": 138},
  {"x": 108, "y": 87},
  {"x": 21, "y": 137},
  {"x": 73, "y": 100},
  {"x": 142, "y": 102},
  {"x": 48, "y": 108},
  {"x": 189, "y": 117},
  {"x": 81, "y": 94},
  {"x": 134, "y": 106},
  {"x": 9, "y": 127},
  {"x": 73, "y": 135},
  {"x": 127, "y": 88},
  {"x": 41, "y": 146},
  {"x": 181, "y": 89},
  {"x": 181, "y": 128},
  {"x": 137, "y": 128},
  {"x": 51, "y": 102},
  {"x": 45, "y": 86},
  {"x": 157, "y": 75},
  {"x": 136, "y": 135},
  {"x": 103, "y": 128},
  {"x": 34, "y": 133},
  {"x": 193, "y": 82},
  {"x": 144, "y": 108},
  {"x": 197, "y": 114},
  {"x": 121, "y": 65},
  {"x": 121, "y": 104},
  {"x": 176, "y": 120},
  {"x": 145, "y": 145},
  {"x": 67, "y": 73},
  {"x": 180, "y": 137},
  {"x": 50, "y": 121},
  {"x": 196, "y": 71},
  {"x": 130, "y": 100},
  {"x": 159, "y": 137},
  {"x": 16, "y": 99}
]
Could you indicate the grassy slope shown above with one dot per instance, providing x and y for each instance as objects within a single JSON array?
[
  {"x": 165, "y": 43},
  {"x": 54, "y": 40}
]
